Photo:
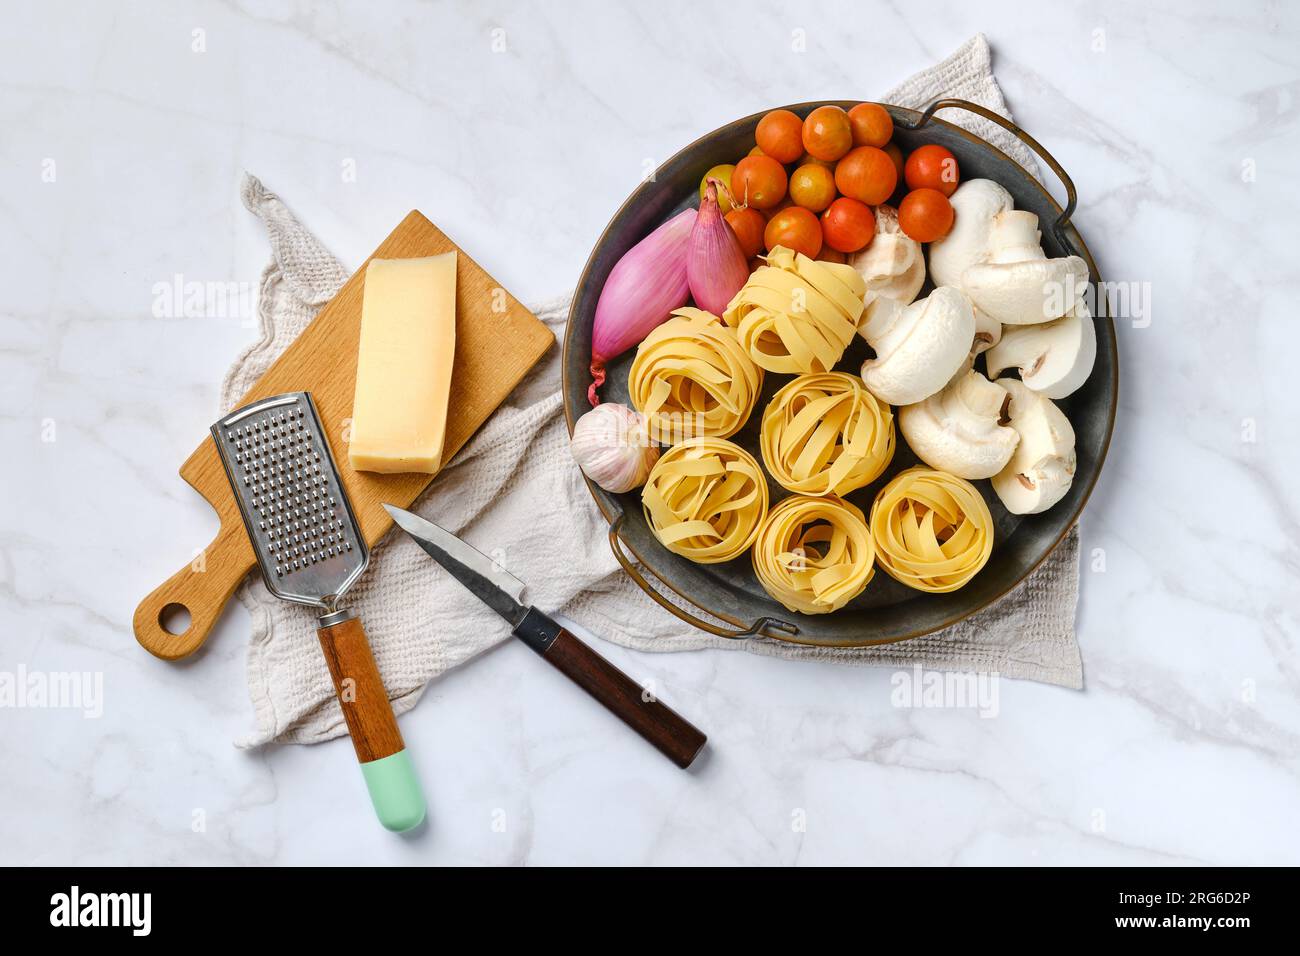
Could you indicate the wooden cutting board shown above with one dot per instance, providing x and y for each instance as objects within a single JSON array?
[{"x": 497, "y": 342}]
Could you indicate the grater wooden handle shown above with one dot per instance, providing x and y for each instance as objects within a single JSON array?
[
  {"x": 386, "y": 766},
  {"x": 360, "y": 690},
  {"x": 202, "y": 588}
]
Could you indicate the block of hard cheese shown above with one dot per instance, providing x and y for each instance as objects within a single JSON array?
[{"x": 408, "y": 342}]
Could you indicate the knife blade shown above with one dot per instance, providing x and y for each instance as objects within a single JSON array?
[{"x": 672, "y": 734}]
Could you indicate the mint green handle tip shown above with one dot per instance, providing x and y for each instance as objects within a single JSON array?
[{"x": 395, "y": 791}]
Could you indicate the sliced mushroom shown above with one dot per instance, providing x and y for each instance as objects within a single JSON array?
[
  {"x": 988, "y": 333},
  {"x": 1054, "y": 358},
  {"x": 974, "y": 205},
  {"x": 1019, "y": 285},
  {"x": 1042, "y": 468},
  {"x": 960, "y": 430},
  {"x": 918, "y": 348},
  {"x": 892, "y": 264}
]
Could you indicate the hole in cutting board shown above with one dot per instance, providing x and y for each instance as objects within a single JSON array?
[{"x": 175, "y": 619}]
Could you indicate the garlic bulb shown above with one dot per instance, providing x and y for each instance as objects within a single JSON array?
[{"x": 612, "y": 447}]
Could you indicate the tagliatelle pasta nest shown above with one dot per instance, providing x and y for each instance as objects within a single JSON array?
[
  {"x": 814, "y": 555},
  {"x": 797, "y": 315},
  {"x": 825, "y": 434},
  {"x": 933, "y": 531},
  {"x": 691, "y": 378},
  {"x": 705, "y": 499}
]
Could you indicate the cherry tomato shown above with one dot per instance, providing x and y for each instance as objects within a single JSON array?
[
  {"x": 932, "y": 167},
  {"x": 758, "y": 181},
  {"x": 867, "y": 174},
  {"x": 748, "y": 225},
  {"x": 848, "y": 225},
  {"x": 807, "y": 158},
  {"x": 895, "y": 152},
  {"x": 756, "y": 151},
  {"x": 780, "y": 135},
  {"x": 925, "y": 214},
  {"x": 827, "y": 133},
  {"x": 831, "y": 255},
  {"x": 872, "y": 125},
  {"x": 795, "y": 228},
  {"x": 812, "y": 186},
  {"x": 722, "y": 174}
]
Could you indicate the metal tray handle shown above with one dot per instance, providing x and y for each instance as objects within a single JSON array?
[{"x": 763, "y": 627}]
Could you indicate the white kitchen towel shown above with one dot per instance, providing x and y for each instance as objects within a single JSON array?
[{"x": 514, "y": 492}]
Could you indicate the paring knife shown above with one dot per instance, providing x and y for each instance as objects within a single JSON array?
[{"x": 674, "y": 736}]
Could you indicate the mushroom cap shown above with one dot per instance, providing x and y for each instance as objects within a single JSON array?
[
  {"x": 1018, "y": 284},
  {"x": 958, "y": 429},
  {"x": 918, "y": 348},
  {"x": 892, "y": 264},
  {"x": 974, "y": 205},
  {"x": 1054, "y": 358},
  {"x": 1042, "y": 468}
]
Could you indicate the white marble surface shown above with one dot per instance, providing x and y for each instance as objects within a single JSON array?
[{"x": 1184, "y": 745}]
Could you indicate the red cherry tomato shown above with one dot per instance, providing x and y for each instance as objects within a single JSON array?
[
  {"x": 925, "y": 215},
  {"x": 867, "y": 174},
  {"x": 780, "y": 135},
  {"x": 827, "y": 133},
  {"x": 795, "y": 228},
  {"x": 758, "y": 181},
  {"x": 848, "y": 225},
  {"x": 872, "y": 125},
  {"x": 932, "y": 167},
  {"x": 748, "y": 225}
]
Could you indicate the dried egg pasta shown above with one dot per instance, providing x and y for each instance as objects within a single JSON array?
[
  {"x": 814, "y": 554},
  {"x": 797, "y": 315},
  {"x": 691, "y": 378},
  {"x": 933, "y": 531},
  {"x": 705, "y": 499},
  {"x": 825, "y": 434}
]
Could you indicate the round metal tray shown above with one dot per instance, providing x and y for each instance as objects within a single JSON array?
[{"x": 886, "y": 611}]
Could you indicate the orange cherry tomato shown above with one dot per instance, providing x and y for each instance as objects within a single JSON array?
[
  {"x": 925, "y": 214},
  {"x": 827, "y": 133},
  {"x": 866, "y": 174},
  {"x": 895, "y": 152},
  {"x": 758, "y": 181},
  {"x": 748, "y": 225},
  {"x": 812, "y": 186},
  {"x": 780, "y": 135},
  {"x": 795, "y": 228},
  {"x": 872, "y": 125},
  {"x": 932, "y": 167},
  {"x": 756, "y": 151},
  {"x": 848, "y": 225},
  {"x": 831, "y": 255},
  {"x": 807, "y": 158}
]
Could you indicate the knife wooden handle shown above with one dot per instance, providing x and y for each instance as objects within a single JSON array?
[{"x": 673, "y": 735}]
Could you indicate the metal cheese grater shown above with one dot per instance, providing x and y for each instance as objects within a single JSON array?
[
  {"x": 311, "y": 550},
  {"x": 305, "y": 536}
]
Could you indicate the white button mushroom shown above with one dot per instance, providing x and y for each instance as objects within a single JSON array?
[
  {"x": 892, "y": 265},
  {"x": 974, "y": 205},
  {"x": 960, "y": 429},
  {"x": 1054, "y": 358},
  {"x": 1042, "y": 468},
  {"x": 988, "y": 333},
  {"x": 918, "y": 348},
  {"x": 1019, "y": 285}
]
